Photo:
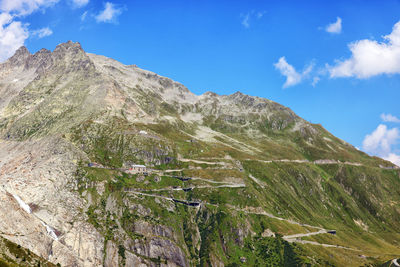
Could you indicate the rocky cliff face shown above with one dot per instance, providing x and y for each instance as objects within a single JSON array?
[{"x": 223, "y": 170}]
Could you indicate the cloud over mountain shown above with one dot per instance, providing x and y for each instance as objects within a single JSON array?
[
  {"x": 370, "y": 57},
  {"x": 335, "y": 27},
  {"x": 381, "y": 142},
  {"x": 109, "y": 14},
  {"x": 12, "y": 35},
  {"x": 292, "y": 76}
]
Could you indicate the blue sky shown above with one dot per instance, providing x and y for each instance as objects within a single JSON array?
[{"x": 329, "y": 61}]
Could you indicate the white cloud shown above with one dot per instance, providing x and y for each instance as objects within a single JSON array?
[
  {"x": 260, "y": 14},
  {"x": 381, "y": 141},
  {"x": 394, "y": 158},
  {"x": 249, "y": 16},
  {"x": 12, "y": 35},
  {"x": 389, "y": 118},
  {"x": 24, "y": 7},
  {"x": 109, "y": 14},
  {"x": 292, "y": 76},
  {"x": 370, "y": 58},
  {"x": 43, "y": 32},
  {"x": 80, "y": 3},
  {"x": 246, "y": 20},
  {"x": 315, "y": 80},
  {"x": 335, "y": 27},
  {"x": 307, "y": 70},
  {"x": 83, "y": 16}
]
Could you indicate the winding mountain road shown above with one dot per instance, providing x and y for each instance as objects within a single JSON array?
[
  {"x": 220, "y": 184},
  {"x": 301, "y": 161},
  {"x": 185, "y": 202},
  {"x": 319, "y": 244},
  {"x": 193, "y": 187},
  {"x": 288, "y": 237},
  {"x": 275, "y": 217},
  {"x": 203, "y": 162},
  {"x": 296, "y": 238}
]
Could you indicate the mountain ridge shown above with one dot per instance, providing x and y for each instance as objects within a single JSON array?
[
  {"x": 227, "y": 174},
  {"x": 237, "y": 97}
]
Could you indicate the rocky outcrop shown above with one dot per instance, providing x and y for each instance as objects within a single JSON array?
[
  {"x": 158, "y": 248},
  {"x": 19, "y": 58},
  {"x": 39, "y": 173}
]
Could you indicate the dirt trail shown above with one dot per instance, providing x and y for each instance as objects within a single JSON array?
[
  {"x": 211, "y": 181},
  {"x": 303, "y": 161},
  {"x": 288, "y": 237},
  {"x": 278, "y": 218},
  {"x": 149, "y": 195},
  {"x": 203, "y": 162},
  {"x": 185, "y": 202},
  {"x": 203, "y": 179},
  {"x": 319, "y": 244},
  {"x": 261, "y": 184},
  {"x": 177, "y": 170},
  {"x": 195, "y": 187}
]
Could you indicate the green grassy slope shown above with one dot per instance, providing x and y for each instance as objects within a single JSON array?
[{"x": 359, "y": 202}]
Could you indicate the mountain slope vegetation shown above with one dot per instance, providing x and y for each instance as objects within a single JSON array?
[{"x": 231, "y": 180}]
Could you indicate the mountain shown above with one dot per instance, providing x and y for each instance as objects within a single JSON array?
[{"x": 230, "y": 180}]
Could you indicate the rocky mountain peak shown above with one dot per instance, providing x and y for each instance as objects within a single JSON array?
[
  {"x": 19, "y": 56},
  {"x": 42, "y": 51},
  {"x": 39, "y": 60},
  {"x": 70, "y": 57},
  {"x": 237, "y": 94},
  {"x": 68, "y": 47},
  {"x": 210, "y": 94},
  {"x": 243, "y": 99},
  {"x": 65, "y": 55},
  {"x": 70, "y": 50}
]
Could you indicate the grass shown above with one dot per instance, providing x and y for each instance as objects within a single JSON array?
[
  {"x": 330, "y": 196},
  {"x": 13, "y": 255}
]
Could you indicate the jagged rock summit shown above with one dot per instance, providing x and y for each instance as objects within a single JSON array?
[{"x": 106, "y": 164}]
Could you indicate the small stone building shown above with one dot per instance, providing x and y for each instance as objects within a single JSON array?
[{"x": 137, "y": 169}]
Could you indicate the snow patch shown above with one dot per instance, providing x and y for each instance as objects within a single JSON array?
[
  {"x": 26, "y": 208},
  {"x": 50, "y": 231},
  {"x": 22, "y": 204}
]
